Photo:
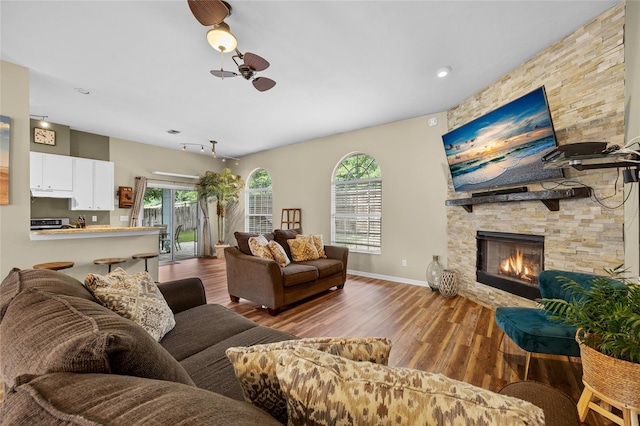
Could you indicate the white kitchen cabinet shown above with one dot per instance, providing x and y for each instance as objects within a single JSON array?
[
  {"x": 92, "y": 185},
  {"x": 50, "y": 175}
]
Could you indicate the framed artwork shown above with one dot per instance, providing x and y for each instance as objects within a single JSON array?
[{"x": 5, "y": 133}]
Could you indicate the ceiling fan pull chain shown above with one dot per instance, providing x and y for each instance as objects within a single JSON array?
[{"x": 222, "y": 63}]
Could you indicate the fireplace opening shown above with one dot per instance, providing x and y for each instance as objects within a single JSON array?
[{"x": 510, "y": 262}]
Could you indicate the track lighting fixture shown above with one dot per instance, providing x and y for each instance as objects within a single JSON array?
[
  {"x": 223, "y": 159},
  {"x": 43, "y": 122},
  {"x": 184, "y": 146}
]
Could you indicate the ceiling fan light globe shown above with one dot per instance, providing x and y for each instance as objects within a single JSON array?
[{"x": 221, "y": 38}]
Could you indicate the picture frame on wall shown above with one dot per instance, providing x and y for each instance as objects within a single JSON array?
[{"x": 5, "y": 135}]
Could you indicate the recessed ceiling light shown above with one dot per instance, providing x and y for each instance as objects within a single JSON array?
[
  {"x": 82, "y": 90},
  {"x": 173, "y": 132},
  {"x": 443, "y": 72}
]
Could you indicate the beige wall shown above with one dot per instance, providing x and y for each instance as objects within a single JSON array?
[
  {"x": 414, "y": 187},
  {"x": 632, "y": 102},
  {"x": 132, "y": 159}
]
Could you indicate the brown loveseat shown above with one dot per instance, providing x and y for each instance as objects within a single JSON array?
[
  {"x": 66, "y": 359},
  {"x": 263, "y": 281}
]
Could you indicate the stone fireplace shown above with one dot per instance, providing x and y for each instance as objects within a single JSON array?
[
  {"x": 510, "y": 262},
  {"x": 583, "y": 75}
]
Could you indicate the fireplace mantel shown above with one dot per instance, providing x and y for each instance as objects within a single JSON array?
[{"x": 550, "y": 198}]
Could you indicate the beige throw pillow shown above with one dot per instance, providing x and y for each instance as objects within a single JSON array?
[
  {"x": 319, "y": 243},
  {"x": 279, "y": 255},
  {"x": 255, "y": 366},
  {"x": 259, "y": 247},
  {"x": 135, "y": 297},
  {"x": 324, "y": 389},
  {"x": 303, "y": 248}
]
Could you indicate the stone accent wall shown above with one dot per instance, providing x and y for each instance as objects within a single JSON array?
[{"x": 583, "y": 75}]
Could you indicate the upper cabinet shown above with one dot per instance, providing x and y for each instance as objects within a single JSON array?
[
  {"x": 92, "y": 185},
  {"x": 51, "y": 175}
]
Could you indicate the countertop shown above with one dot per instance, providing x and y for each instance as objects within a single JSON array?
[{"x": 93, "y": 232}]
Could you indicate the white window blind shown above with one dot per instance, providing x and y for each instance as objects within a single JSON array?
[
  {"x": 259, "y": 203},
  {"x": 357, "y": 205}
]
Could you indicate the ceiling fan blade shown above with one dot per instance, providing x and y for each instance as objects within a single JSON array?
[
  {"x": 223, "y": 73},
  {"x": 208, "y": 12},
  {"x": 255, "y": 62},
  {"x": 263, "y": 83}
]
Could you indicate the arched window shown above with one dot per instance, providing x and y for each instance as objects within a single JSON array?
[
  {"x": 356, "y": 204},
  {"x": 258, "y": 217}
]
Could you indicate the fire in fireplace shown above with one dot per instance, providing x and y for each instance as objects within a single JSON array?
[{"x": 510, "y": 262}]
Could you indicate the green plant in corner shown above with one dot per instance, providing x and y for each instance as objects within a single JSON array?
[
  {"x": 224, "y": 188},
  {"x": 608, "y": 312}
]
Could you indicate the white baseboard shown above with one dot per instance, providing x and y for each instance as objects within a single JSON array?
[{"x": 388, "y": 278}]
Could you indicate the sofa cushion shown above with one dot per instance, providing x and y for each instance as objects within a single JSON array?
[
  {"x": 278, "y": 253},
  {"x": 54, "y": 282},
  {"x": 324, "y": 389},
  {"x": 282, "y": 235},
  {"x": 211, "y": 369},
  {"x": 242, "y": 239},
  {"x": 303, "y": 248},
  {"x": 319, "y": 243},
  {"x": 326, "y": 267},
  {"x": 106, "y": 399},
  {"x": 201, "y": 327},
  {"x": 135, "y": 297},
  {"x": 255, "y": 366},
  {"x": 54, "y": 333},
  {"x": 296, "y": 273},
  {"x": 258, "y": 247}
]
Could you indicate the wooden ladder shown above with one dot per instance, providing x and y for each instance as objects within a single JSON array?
[{"x": 292, "y": 218}]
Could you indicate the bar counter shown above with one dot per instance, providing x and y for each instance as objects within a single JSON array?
[{"x": 92, "y": 232}]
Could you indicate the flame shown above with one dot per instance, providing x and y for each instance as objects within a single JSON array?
[{"x": 515, "y": 265}]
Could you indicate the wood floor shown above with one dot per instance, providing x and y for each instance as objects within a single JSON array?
[{"x": 455, "y": 337}]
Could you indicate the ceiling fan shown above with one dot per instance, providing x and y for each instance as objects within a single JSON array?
[{"x": 213, "y": 13}]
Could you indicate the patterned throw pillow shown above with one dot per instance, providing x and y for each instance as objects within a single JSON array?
[
  {"x": 317, "y": 241},
  {"x": 255, "y": 366},
  {"x": 324, "y": 389},
  {"x": 303, "y": 248},
  {"x": 135, "y": 297},
  {"x": 279, "y": 255},
  {"x": 258, "y": 247}
]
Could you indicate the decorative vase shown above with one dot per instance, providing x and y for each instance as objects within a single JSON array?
[
  {"x": 434, "y": 273},
  {"x": 448, "y": 283}
]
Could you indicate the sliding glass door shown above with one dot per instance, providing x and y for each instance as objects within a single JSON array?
[{"x": 174, "y": 209}]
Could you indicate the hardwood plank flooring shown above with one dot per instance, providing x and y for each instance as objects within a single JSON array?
[{"x": 455, "y": 337}]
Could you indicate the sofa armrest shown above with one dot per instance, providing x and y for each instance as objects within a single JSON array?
[
  {"x": 183, "y": 294},
  {"x": 254, "y": 278},
  {"x": 341, "y": 254}
]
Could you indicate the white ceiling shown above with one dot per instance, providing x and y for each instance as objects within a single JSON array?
[{"x": 339, "y": 65}]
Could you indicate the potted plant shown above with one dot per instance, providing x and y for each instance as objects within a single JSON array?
[
  {"x": 224, "y": 188},
  {"x": 607, "y": 316}
]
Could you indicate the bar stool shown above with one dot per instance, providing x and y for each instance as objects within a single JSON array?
[
  {"x": 110, "y": 261},
  {"x": 54, "y": 266},
  {"x": 145, "y": 256}
]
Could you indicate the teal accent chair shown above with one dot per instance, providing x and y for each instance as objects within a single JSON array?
[{"x": 532, "y": 330}]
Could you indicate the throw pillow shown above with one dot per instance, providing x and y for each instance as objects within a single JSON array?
[
  {"x": 319, "y": 243},
  {"x": 303, "y": 248},
  {"x": 324, "y": 389},
  {"x": 135, "y": 297},
  {"x": 255, "y": 366},
  {"x": 279, "y": 255},
  {"x": 282, "y": 235},
  {"x": 258, "y": 246}
]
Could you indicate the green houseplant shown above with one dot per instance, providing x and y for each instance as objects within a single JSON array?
[
  {"x": 224, "y": 188},
  {"x": 607, "y": 316}
]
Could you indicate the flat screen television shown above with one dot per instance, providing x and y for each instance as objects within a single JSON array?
[{"x": 504, "y": 147}]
